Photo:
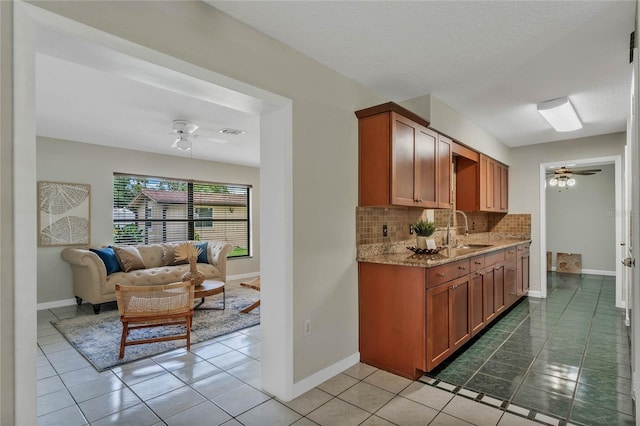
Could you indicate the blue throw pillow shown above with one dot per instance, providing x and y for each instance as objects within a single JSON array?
[
  {"x": 108, "y": 256},
  {"x": 202, "y": 258}
]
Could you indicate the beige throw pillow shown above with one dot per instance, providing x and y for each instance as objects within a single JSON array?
[
  {"x": 129, "y": 258},
  {"x": 169, "y": 255}
]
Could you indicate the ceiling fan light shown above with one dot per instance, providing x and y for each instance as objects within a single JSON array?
[
  {"x": 553, "y": 181},
  {"x": 183, "y": 143},
  {"x": 562, "y": 183},
  {"x": 571, "y": 181},
  {"x": 560, "y": 114}
]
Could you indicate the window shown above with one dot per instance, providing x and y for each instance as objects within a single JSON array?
[
  {"x": 149, "y": 210},
  {"x": 203, "y": 213}
]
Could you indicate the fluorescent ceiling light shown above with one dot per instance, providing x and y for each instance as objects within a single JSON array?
[{"x": 560, "y": 114}]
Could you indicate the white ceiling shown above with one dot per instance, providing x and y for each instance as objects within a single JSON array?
[
  {"x": 493, "y": 61},
  {"x": 88, "y": 93},
  {"x": 490, "y": 60}
]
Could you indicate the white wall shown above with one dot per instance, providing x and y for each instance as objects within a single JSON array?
[
  {"x": 67, "y": 161},
  {"x": 581, "y": 219},
  {"x": 524, "y": 178},
  {"x": 445, "y": 119}
]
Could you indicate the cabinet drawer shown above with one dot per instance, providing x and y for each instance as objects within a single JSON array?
[
  {"x": 493, "y": 258},
  {"x": 476, "y": 263},
  {"x": 523, "y": 248},
  {"x": 510, "y": 253},
  {"x": 443, "y": 273}
]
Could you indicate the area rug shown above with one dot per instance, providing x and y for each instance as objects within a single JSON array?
[{"x": 97, "y": 337}]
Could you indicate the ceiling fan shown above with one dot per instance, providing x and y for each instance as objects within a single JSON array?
[
  {"x": 185, "y": 131},
  {"x": 563, "y": 176}
]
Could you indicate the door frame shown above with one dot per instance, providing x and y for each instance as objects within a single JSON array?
[
  {"x": 276, "y": 261},
  {"x": 616, "y": 160}
]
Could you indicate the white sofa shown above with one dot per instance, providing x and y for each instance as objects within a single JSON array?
[{"x": 92, "y": 284}]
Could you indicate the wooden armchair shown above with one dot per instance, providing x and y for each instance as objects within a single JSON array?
[{"x": 153, "y": 306}]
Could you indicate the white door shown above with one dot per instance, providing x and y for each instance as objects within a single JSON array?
[{"x": 633, "y": 242}]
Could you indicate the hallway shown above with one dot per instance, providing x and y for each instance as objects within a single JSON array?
[{"x": 566, "y": 357}]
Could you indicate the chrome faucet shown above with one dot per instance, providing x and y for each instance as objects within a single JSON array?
[{"x": 466, "y": 225}]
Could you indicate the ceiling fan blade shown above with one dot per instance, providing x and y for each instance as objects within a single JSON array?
[
  {"x": 210, "y": 138},
  {"x": 587, "y": 171}
]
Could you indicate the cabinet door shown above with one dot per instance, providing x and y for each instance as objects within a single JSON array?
[
  {"x": 439, "y": 344},
  {"x": 487, "y": 182},
  {"x": 522, "y": 285},
  {"x": 447, "y": 320},
  {"x": 476, "y": 305},
  {"x": 459, "y": 311},
  {"x": 444, "y": 171},
  {"x": 488, "y": 294},
  {"x": 402, "y": 160},
  {"x": 498, "y": 287},
  {"x": 504, "y": 188},
  {"x": 510, "y": 282},
  {"x": 426, "y": 173},
  {"x": 522, "y": 280}
]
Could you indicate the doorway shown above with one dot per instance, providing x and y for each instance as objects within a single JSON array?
[
  {"x": 275, "y": 174},
  {"x": 618, "y": 236}
]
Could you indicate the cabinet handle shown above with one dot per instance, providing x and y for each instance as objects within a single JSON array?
[
  {"x": 497, "y": 269},
  {"x": 511, "y": 269},
  {"x": 441, "y": 274},
  {"x": 418, "y": 200},
  {"x": 510, "y": 252},
  {"x": 454, "y": 287},
  {"x": 512, "y": 294},
  {"x": 462, "y": 267},
  {"x": 479, "y": 273},
  {"x": 477, "y": 263}
]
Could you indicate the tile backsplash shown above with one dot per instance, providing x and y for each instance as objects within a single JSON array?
[{"x": 370, "y": 221}]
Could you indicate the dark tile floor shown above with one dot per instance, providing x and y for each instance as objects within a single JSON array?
[{"x": 565, "y": 358}]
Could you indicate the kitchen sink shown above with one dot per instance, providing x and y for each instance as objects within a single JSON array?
[{"x": 473, "y": 246}]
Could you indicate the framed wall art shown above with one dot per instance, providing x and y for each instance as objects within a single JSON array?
[{"x": 63, "y": 214}]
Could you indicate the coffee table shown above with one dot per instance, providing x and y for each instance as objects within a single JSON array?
[{"x": 209, "y": 288}]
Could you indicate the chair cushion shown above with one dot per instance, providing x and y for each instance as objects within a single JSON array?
[{"x": 129, "y": 258}]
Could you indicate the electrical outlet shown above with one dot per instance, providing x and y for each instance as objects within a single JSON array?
[
  {"x": 410, "y": 229},
  {"x": 307, "y": 326},
  {"x": 384, "y": 230}
]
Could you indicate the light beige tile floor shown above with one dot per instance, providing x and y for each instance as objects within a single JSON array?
[{"x": 218, "y": 382}]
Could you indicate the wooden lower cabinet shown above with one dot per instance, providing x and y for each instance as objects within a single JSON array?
[
  {"x": 447, "y": 319},
  {"x": 476, "y": 308},
  {"x": 411, "y": 319},
  {"x": 391, "y": 303},
  {"x": 522, "y": 269},
  {"x": 498, "y": 287},
  {"x": 510, "y": 282}
]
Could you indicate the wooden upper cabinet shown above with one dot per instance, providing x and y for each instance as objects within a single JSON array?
[
  {"x": 401, "y": 161},
  {"x": 445, "y": 146},
  {"x": 482, "y": 186},
  {"x": 413, "y": 163},
  {"x": 494, "y": 186}
]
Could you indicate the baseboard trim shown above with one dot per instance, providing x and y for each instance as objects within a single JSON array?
[
  {"x": 323, "y": 375},
  {"x": 242, "y": 276},
  {"x": 55, "y": 304},
  {"x": 536, "y": 294},
  {"x": 593, "y": 272},
  {"x": 598, "y": 272}
]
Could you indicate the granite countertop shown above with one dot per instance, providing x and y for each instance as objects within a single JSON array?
[{"x": 399, "y": 255}]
